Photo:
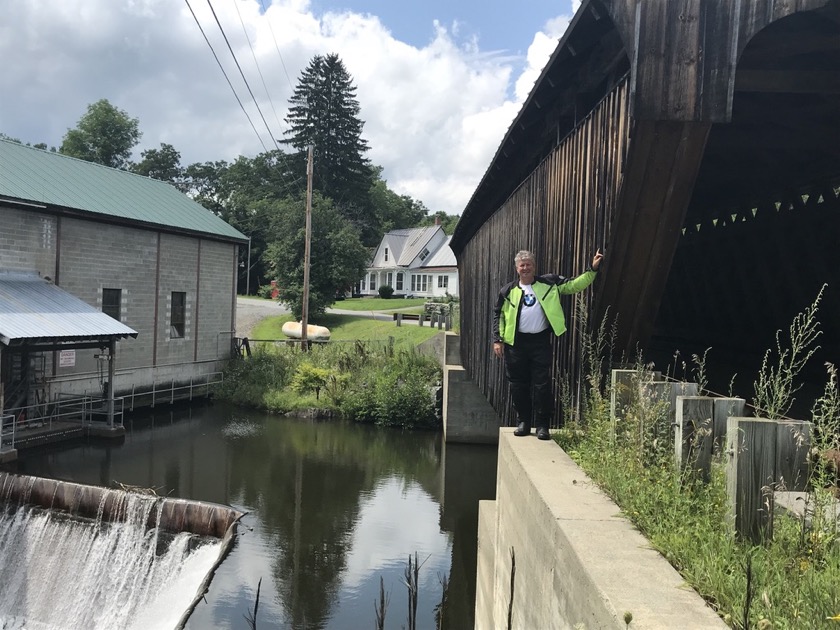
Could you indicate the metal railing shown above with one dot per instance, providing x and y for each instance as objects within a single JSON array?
[
  {"x": 7, "y": 433},
  {"x": 162, "y": 392}
]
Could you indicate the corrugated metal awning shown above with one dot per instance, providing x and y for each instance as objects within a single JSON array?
[{"x": 34, "y": 311}]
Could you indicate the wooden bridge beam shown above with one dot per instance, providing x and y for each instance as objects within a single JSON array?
[{"x": 661, "y": 168}]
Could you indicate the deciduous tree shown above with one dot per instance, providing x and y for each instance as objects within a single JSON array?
[
  {"x": 338, "y": 256},
  {"x": 104, "y": 134},
  {"x": 163, "y": 164}
]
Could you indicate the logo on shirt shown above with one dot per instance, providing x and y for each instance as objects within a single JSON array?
[{"x": 530, "y": 299}]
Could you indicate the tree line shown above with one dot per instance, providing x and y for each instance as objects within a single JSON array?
[{"x": 264, "y": 196}]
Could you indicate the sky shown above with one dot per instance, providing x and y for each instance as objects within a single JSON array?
[{"x": 438, "y": 82}]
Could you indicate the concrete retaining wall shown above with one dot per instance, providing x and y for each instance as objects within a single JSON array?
[{"x": 578, "y": 563}]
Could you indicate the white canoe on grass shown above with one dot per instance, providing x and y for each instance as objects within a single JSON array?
[{"x": 313, "y": 333}]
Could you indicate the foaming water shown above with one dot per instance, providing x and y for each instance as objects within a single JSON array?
[{"x": 66, "y": 573}]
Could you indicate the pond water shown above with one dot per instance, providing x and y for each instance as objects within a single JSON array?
[{"x": 332, "y": 509}]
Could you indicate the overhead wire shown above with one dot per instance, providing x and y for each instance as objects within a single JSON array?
[
  {"x": 257, "y": 63},
  {"x": 296, "y": 183},
  {"x": 242, "y": 74},
  {"x": 277, "y": 47},
  {"x": 227, "y": 78}
]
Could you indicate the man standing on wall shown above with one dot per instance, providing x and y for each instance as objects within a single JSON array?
[{"x": 527, "y": 311}]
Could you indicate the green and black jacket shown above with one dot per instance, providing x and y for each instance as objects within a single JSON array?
[{"x": 547, "y": 289}]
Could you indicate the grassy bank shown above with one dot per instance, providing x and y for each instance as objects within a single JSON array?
[{"x": 360, "y": 375}]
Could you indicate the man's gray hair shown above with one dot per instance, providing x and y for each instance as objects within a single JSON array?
[{"x": 524, "y": 255}]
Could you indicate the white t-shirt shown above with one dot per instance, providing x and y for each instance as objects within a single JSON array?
[{"x": 531, "y": 316}]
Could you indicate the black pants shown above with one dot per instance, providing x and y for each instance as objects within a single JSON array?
[{"x": 527, "y": 365}]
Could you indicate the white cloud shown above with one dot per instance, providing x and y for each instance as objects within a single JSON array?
[{"x": 434, "y": 116}]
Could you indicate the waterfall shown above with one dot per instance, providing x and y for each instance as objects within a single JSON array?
[{"x": 63, "y": 572}]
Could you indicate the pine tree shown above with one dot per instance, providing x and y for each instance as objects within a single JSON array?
[{"x": 324, "y": 113}]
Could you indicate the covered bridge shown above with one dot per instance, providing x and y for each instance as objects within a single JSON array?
[{"x": 698, "y": 143}]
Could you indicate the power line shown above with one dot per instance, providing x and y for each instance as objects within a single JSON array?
[
  {"x": 242, "y": 74},
  {"x": 277, "y": 47},
  {"x": 257, "y": 64},
  {"x": 232, "y": 89}
]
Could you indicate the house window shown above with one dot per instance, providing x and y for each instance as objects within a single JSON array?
[
  {"x": 420, "y": 284},
  {"x": 443, "y": 282},
  {"x": 424, "y": 254},
  {"x": 111, "y": 299},
  {"x": 386, "y": 254},
  {"x": 178, "y": 315},
  {"x": 390, "y": 281},
  {"x": 373, "y": 282},
  {"x": 399, "y": 286}
]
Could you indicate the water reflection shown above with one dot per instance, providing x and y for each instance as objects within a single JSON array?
[{"x": 331, "y": 508}]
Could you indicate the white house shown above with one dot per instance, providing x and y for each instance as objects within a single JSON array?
[{"x": 416, "y": 261}]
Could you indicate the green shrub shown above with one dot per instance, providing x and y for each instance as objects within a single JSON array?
[
  {"x": 405, "y": 403},
  {"x": 309, "y": 378},
  {"x": 368, "y": 382},
  {"x": 386, "y": 291},
  {"x": 265, "y": 291}
]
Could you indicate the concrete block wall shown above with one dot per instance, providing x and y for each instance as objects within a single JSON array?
[
  {"x": 578, "y": 562},
  {"x": 96, "y": 256},
  {"x": 178, "y": 272},
  {"x": 216, "y": 315},
  {"x": 27, "y": 241}
]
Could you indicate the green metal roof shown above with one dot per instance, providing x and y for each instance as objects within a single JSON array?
[{"x": 43, "y": 177}]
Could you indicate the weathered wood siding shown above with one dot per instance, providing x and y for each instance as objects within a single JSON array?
[{"x": 562, "y": 213}]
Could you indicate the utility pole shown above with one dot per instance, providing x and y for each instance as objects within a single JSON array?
[
  {"x": 248, "y": 270},
  {"x": 304, "y": 311}
]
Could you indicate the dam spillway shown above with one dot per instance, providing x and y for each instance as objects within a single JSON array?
[{"x": 84, "y": 557}]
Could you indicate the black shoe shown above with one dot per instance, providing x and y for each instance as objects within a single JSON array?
[
  {"x": 542, "y": 433},
  {"x": 522, "y": 429}
]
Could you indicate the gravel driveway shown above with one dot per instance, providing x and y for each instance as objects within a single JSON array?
[{"x": 250, "y": 312}]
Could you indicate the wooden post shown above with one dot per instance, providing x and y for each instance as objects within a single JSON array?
[
  {"x": 399, "y": 319},
  {"x": 724, "y": 408},
  {"x": 750, "y": 475},
  {"x": 624, "y": 390},
  {"x": 420, "y": 319},
  {"x": 693, "y": 439},
  {"x": 793, "y": 443}
]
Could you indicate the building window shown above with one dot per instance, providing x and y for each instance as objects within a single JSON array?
[
  {"x": 420, "y": 284},
  {"x": 178, "y": 315},
  {"x": 386, "y": 254},
  {"x": 373, "y": 282},
  {"x": 399, "y": 286},
  {"x": 424, "y": 254},
  {"x": 111, "y": 300},
  {"x": 443, "y": 282},
  {"x": 390, "y": 281}
]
